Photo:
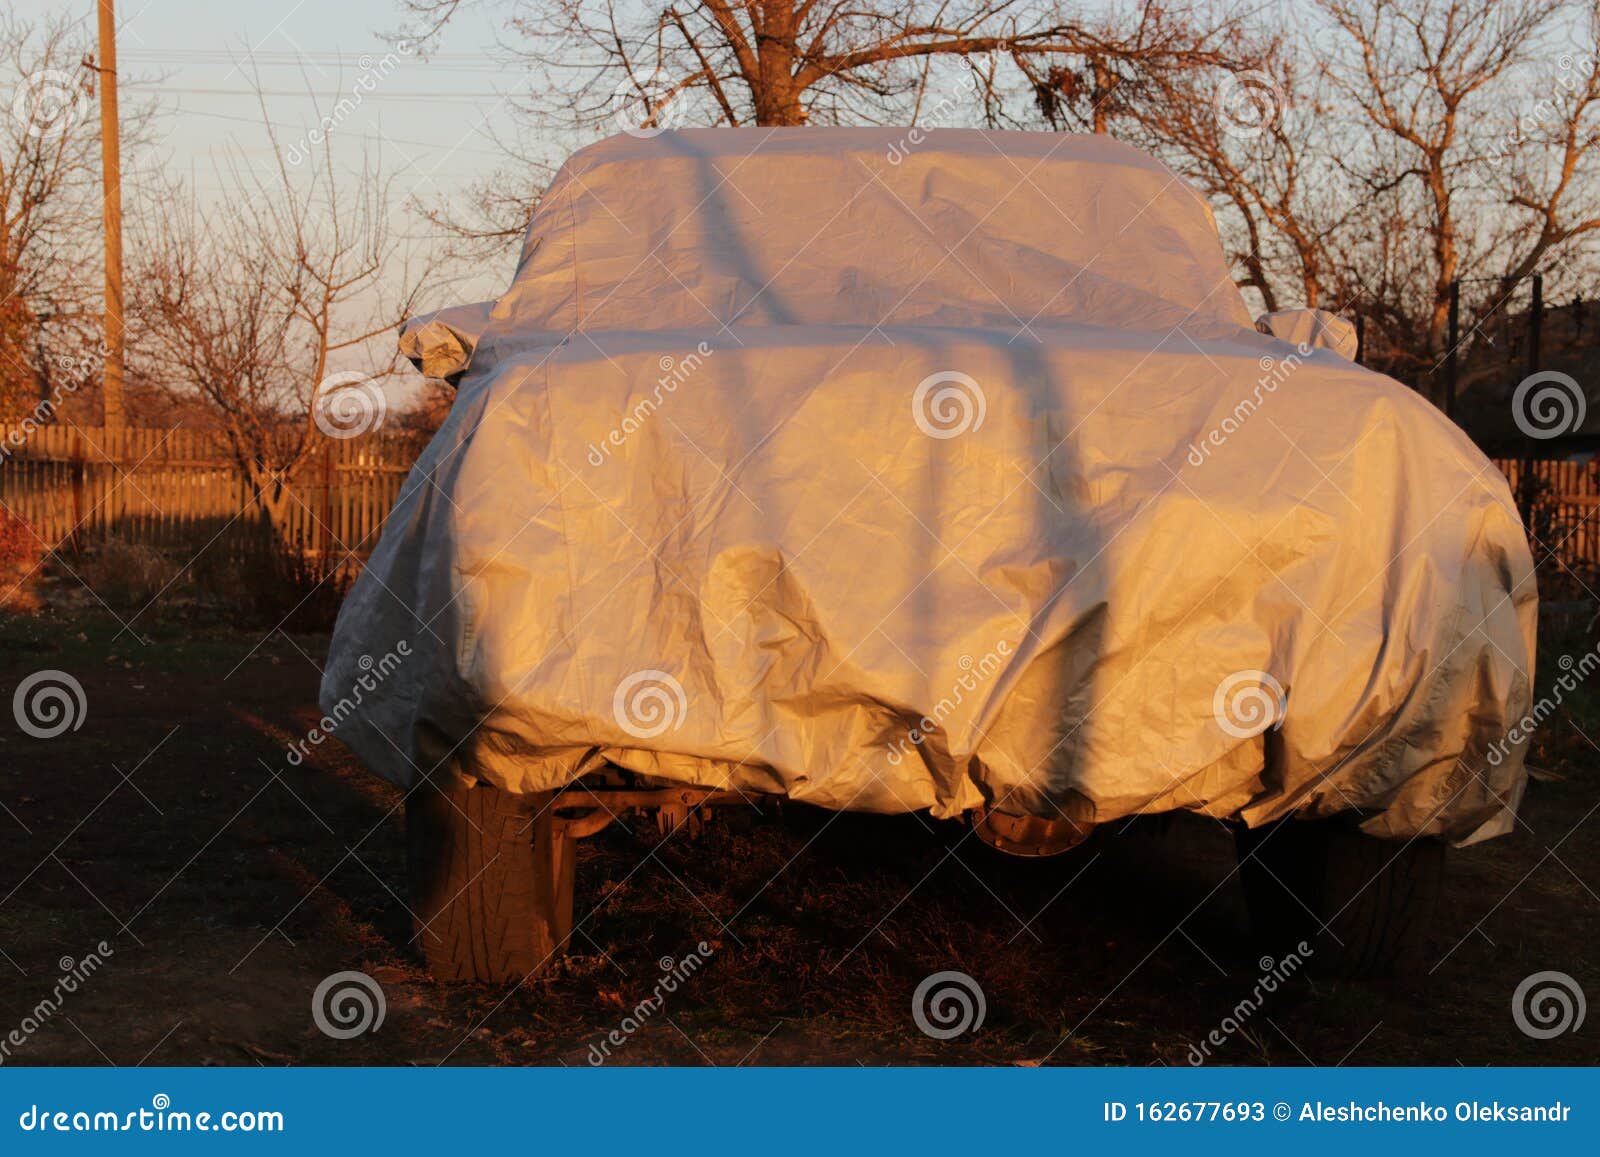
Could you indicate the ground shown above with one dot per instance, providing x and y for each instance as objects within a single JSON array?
[{"x": 227, "y": 882}]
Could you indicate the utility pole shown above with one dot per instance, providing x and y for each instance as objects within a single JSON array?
[{"x": 111, "y": 183}]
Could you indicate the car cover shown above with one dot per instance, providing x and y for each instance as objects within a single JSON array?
[
  {"x": 896, "y": 470},
  {"x": 1312, "y": 327}
]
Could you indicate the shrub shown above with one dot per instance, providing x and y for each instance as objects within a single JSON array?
[
  {"x": 272, "y": 584},
  {"x": 302, "y": 592},
  {"x": 21, "y": 552},
  {"x": 127, "y": 574}
]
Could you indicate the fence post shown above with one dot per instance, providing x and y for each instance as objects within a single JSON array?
[
  {"x": 1535, "y": 322},
  {"x": 1529, "y": 494},
  {"x": 324, "y": 530},
  {"x": 79, "y": 470},
  {"x": 1451, "y": 358}
]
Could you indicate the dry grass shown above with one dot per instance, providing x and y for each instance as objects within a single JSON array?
[
  {"x": 126, "y": 575},
  {"x": 230, "y": 883}
]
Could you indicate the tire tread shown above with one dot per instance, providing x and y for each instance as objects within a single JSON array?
[
  {"x": 1364, "y": 905},
  {"x": 474, "y": 873}
]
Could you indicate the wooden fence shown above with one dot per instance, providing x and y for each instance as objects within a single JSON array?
[
  {"x": 1560, "y": 505},
  {"x": 178, "y": 490}
]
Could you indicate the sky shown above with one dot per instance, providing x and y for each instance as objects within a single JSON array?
[
  {"x": 430, "y": 123},
  {"x": 199, "y": 57}
]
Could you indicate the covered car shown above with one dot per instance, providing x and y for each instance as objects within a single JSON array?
[{"x": 948, "y": 474}]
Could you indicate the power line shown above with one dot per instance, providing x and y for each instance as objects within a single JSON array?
[
  {"x": 225, "y": 56},
  {"x": 444, "y": 62},
  {"x": 344, "y": 134},
  {"x": 375, "y": 94}
]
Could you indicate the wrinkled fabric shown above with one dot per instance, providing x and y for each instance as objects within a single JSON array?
[
  {"x": 897, "y": 476},
  {"x": 440, "y": 344},
  {"x": 1316, "y": 328}
]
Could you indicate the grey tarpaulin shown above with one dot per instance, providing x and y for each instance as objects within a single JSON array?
[{"x": 901, "y": 474}]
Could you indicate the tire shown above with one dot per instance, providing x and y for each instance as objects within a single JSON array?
[
  {"x": 491, "y": 882},
  {"x": 1362, "y": 906}
]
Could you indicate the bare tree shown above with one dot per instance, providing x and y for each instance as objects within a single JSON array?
[
  {"x": 255, "y": 298},
  {"x": 769, "y": 62},
  {"x": 1548, "y": 172},
  {"x": 1422, "y": 77},
  {"x": 1404, "y": 144},
  {"x": 1255, "y": 142},
  {"x": 491, "y": 215},
  {"x": 48, "y": 208},
  {"x": 1138, "y": 62},
  {"x": 794, "y": 62},
  {"x": 798, "y": 62},
  {"x": 1401, "y": 144}
]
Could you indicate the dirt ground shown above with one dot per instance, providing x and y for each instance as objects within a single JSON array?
[{"x": 227, "y": 884}]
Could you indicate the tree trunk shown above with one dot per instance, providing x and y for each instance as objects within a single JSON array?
[
  {"x": 775, "y": 87},
  {"x": 1311, "y": 279},
  {"x": 1445, "y": 259},
  {"x": 779, "y": 106},
  {"x": 272, "y": 499},
  {"x": 1104, "y": 82}
]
